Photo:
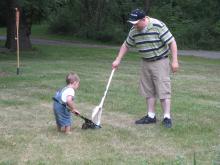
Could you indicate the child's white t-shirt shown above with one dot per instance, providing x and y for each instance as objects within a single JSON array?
[{"x": 67, "y": 92}]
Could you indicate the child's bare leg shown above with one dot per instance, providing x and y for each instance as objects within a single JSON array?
[
  {"x": 62, "y": 129},
  {"x": 67, "y": 129},
  {"x": 58, "y": 128}
]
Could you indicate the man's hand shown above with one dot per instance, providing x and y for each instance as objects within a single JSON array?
[
  {"x": 175, "y": 66},
  {"x": 115, "y": 64},
  {"x": 173, "y": 49}
]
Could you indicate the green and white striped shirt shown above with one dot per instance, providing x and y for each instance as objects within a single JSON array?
[{"x": 152, "y": 41}]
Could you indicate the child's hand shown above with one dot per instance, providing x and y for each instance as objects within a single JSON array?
[{"x": 76, "y": 112}]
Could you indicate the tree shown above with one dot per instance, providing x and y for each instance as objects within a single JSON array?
[
  {"x": 24, "y": 31},
  {"x": 147, "y": 6},
  {"x": 3, "y": 13},
  {"x": 31, "y": 11}
]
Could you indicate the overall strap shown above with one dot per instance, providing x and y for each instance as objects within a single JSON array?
[{"x": 58, "y": 95}]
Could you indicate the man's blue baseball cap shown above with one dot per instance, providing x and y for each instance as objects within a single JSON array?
[{"x": 136, "y": 15}]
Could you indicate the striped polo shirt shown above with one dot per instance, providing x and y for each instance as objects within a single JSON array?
[{"x": 152, "y": 41}]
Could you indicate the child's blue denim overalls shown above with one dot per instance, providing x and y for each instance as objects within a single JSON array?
[{"x": 62, "y": 114}]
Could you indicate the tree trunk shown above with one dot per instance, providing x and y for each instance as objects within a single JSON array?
[
  {"x": 147, "y": 6},
  {"x": 24, "y": 28},
  {"x": 99, "y": 14}
]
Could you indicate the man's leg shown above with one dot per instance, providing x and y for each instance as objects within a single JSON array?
[
  {"x": 165, "y": 103},
  {"x": 150, "y": 117},
  {"x": 151, "y": 102}
]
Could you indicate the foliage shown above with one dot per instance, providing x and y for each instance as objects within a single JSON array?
[
  {"x": 38, "y": 10},
  {"x": 101, "y": 20},
  {"x": 195, "y": 24},
  {"x": 3, "y": 13}
]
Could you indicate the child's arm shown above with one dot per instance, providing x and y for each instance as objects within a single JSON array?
[{"x": 71, "y": 105}]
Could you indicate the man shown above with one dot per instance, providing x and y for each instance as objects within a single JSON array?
[{"x": 154, "y": 41}]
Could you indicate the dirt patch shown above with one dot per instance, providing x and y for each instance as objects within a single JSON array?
[{"x": 3, "y": 74}]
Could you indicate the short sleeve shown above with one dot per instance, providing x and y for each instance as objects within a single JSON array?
[
  {"x": 130, "y": 42},
  {"x": 165, "y": 35},
  {"x": 67, "y": 92}
]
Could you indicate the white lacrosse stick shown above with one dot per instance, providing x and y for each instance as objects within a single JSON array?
[{"x": 97, "y": 111}]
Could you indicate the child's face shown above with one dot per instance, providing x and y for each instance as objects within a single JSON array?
[{"x": 76, "y": 84}]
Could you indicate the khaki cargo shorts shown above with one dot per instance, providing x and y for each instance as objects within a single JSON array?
[{"x": 155, "y": 79}]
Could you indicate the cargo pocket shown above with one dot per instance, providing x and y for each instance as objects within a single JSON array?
[{"x": 165, "y": 88}]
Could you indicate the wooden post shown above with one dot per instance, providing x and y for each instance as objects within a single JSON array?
[{"x": 17, "y": 38}]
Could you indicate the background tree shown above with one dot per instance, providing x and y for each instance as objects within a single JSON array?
[
  {"x": 195, "y": 24},
  {"x": 31, "y": 11},
  {"x": 11, "y": 27},
  {"x": 147, "y": 6},
  {"x": 3, "y": 13}
]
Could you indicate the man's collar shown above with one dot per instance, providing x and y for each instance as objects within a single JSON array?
[{"x": 149, "y": 23}]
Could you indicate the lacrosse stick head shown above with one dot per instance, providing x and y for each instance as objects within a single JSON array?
[
  {"x": 90, "y": 125},
  {"x": 96, "y": 115}
]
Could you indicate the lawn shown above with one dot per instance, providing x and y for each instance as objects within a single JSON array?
[{"x": 27, "y": 125}]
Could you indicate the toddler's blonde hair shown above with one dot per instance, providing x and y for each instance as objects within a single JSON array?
[{"x": 72, "y": 77}]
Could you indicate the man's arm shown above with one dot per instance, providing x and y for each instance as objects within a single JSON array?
[
  {"x": 173, "y": 49},
  {"x": 123, "y": 50}
]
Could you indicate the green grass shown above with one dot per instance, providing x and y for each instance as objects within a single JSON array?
[{"x": 27, "y": 127}]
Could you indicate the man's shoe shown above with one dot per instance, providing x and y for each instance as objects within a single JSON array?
[
  {"x": 167, "y": 122},
  {"x": 146, "y": 120}
]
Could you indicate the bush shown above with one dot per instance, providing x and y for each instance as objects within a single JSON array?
[
  {"x": 93, "y": 20},
  {"x": 63, "y": 22}
]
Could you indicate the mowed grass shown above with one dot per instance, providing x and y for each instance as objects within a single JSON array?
[{"x": 28, "y": 132}]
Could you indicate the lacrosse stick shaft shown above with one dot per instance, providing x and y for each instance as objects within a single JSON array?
[
  {"x": 82, "y": 117},
  {"x": 106, "y": 90},
  {"x": 97, "y": 112}
]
